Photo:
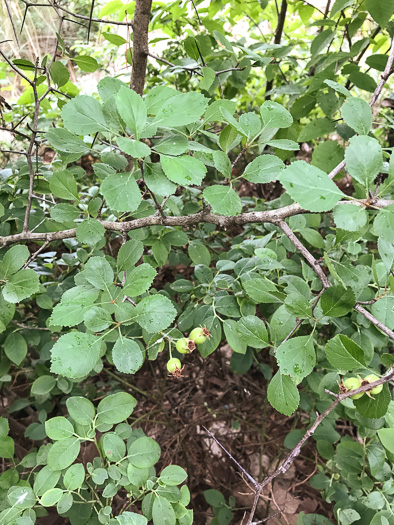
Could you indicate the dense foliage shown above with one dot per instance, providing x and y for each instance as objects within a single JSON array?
[{"x": 257, "y": 167}]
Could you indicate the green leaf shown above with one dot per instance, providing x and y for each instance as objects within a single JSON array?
[
  {"x": 337, "y": 301},
  {"x": 345, "y": 354},
  {"x": 121, "y": 192},
  {"x": 210, "y": 345},
  {"x": 376, "y": 406},
  {"x": 296, "y": 357},
  {"x": 132, "y": 109},
  {"x": 144, "y": 452},
  {"x": 74, "y": 304},
  {"x": 208, "y": 78},
  {"x": 386, "y": 436},
  {"x": 90, "y": 231},
  {"x": 263, "y": 169},
  {"x": 283, "y": 394},
  {"x": 59, "y": 74},
  {"x": 275, "y": 116},
  {"x": 64, "y": 212},
  {"x": 284, "y": 144},
  {"x": 234, "y": 339},
  {"x": 84, "y": 115},
  {"x": 21, "y": 285},
  {"x": 154, "y": 313},
  {"x": 173, "y": 475},
  {"x": 98, "y": 273},
  {"x": 173, "y": 144},
  {"x": 386, "y": 252},
  {"x": 223, "y": 199},
  {"x": 298, "y": 305},
  {"x": 316, "y": 129},
  {"x": 157, "y": 182},
  {"x": 86, "y": 63},
  {"x": 62, "y": 184},
  {"x": 133, "y": 147},
  {"x": 310, "y": 187},
  {"x": 338, "y": 87},
  {"x": 127, "y": 356},
  {"x": 42, "y": 385},
  {"x": 7, "y": 447},
  {"x": 97, "y": 319},
  {"x": 139, "y": 280},
  {"x": 63, "y": 453},
  {"x": 181, "y": 110},
  {"x": 350, "y": 217},
  {"x": 229, "y": 138},
  {"x": 327, "y": 155},
  {"x": 81, "y": 410},
  {"x": 13, "y": 260},
  {"x": 199, "y": 253},
  {"x": 51, "y": 497},
  {"x": 252, "y": 330},
  {"x": 183, "y": 170},
  {"x": 117, "y": 40},
  {"x": 222, "y": 163},
  {"x": 115, "y": 408},
  {"x": 113, "y": 446},
  {"x": 364, "y": 159},
  {"x": 384, "y": 223},
  {"x": 222, "y": 40},
  {"x": 380, "y": 11},
  {"x": 357, "y": 114},
  {"x": 21, "y": 498},
  {"x": 383, "y": 310},
  {"x": 363, "y": 81},
  {"x": 322, "y": 40},
  {"x": 75, "y": 354},
  {"x": 74, "y": 477},
  {"x": 131, "y": 518},
  {"x": 58, "y": 428},
  {"x": 214, "y": 111},
  {"x": 15, "y": 347},
  {"x": 262, "y": 290},
  {"x": 339, "y": 5},
  {"x": 45, "y": 480},
  {"x": 129, "y": 254},
  {"x": 163, "y": 512}
]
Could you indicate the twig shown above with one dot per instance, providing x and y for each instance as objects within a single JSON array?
[
  {"x": 326, "y": 283},
  {"x": 35, "y": 254},
  {"x": 385, "y": 75},
  {"x": 82, "y": 17},
  {"x": 306, "y": 253},
  {"x": 149, "y": 54},
  {"x": 297, "y": 449},
  {"x": 246, "y": 474},
  {"x": 222, "y": 221},
  {"x": 12, "y": 21},
  {"x": 277, "y": 40}
]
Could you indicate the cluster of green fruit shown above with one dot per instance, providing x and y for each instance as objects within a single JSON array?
[
  {"x": 352, "y": 383},
  {"x": 185, "y": 345}
]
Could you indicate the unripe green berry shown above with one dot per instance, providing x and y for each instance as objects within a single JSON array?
[
  {"x": 352, "y": 383},
  {"x": 174, "y": 365},
  {"x": 185, "y": 346},
  {"x": 371, "y": 379},
  {"x": 181, "y": 346},
  {"x": 199, "y": 335}
]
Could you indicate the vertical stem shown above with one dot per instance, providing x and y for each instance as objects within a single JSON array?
[
  {"x": 277, "y": 40},
  {"x": 140, "y": 44}
]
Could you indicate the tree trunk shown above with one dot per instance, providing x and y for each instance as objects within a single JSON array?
[{"x": 140, "y": 44}]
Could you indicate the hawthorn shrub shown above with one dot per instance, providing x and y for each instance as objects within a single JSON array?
[{"x": 305, "y": 276}]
